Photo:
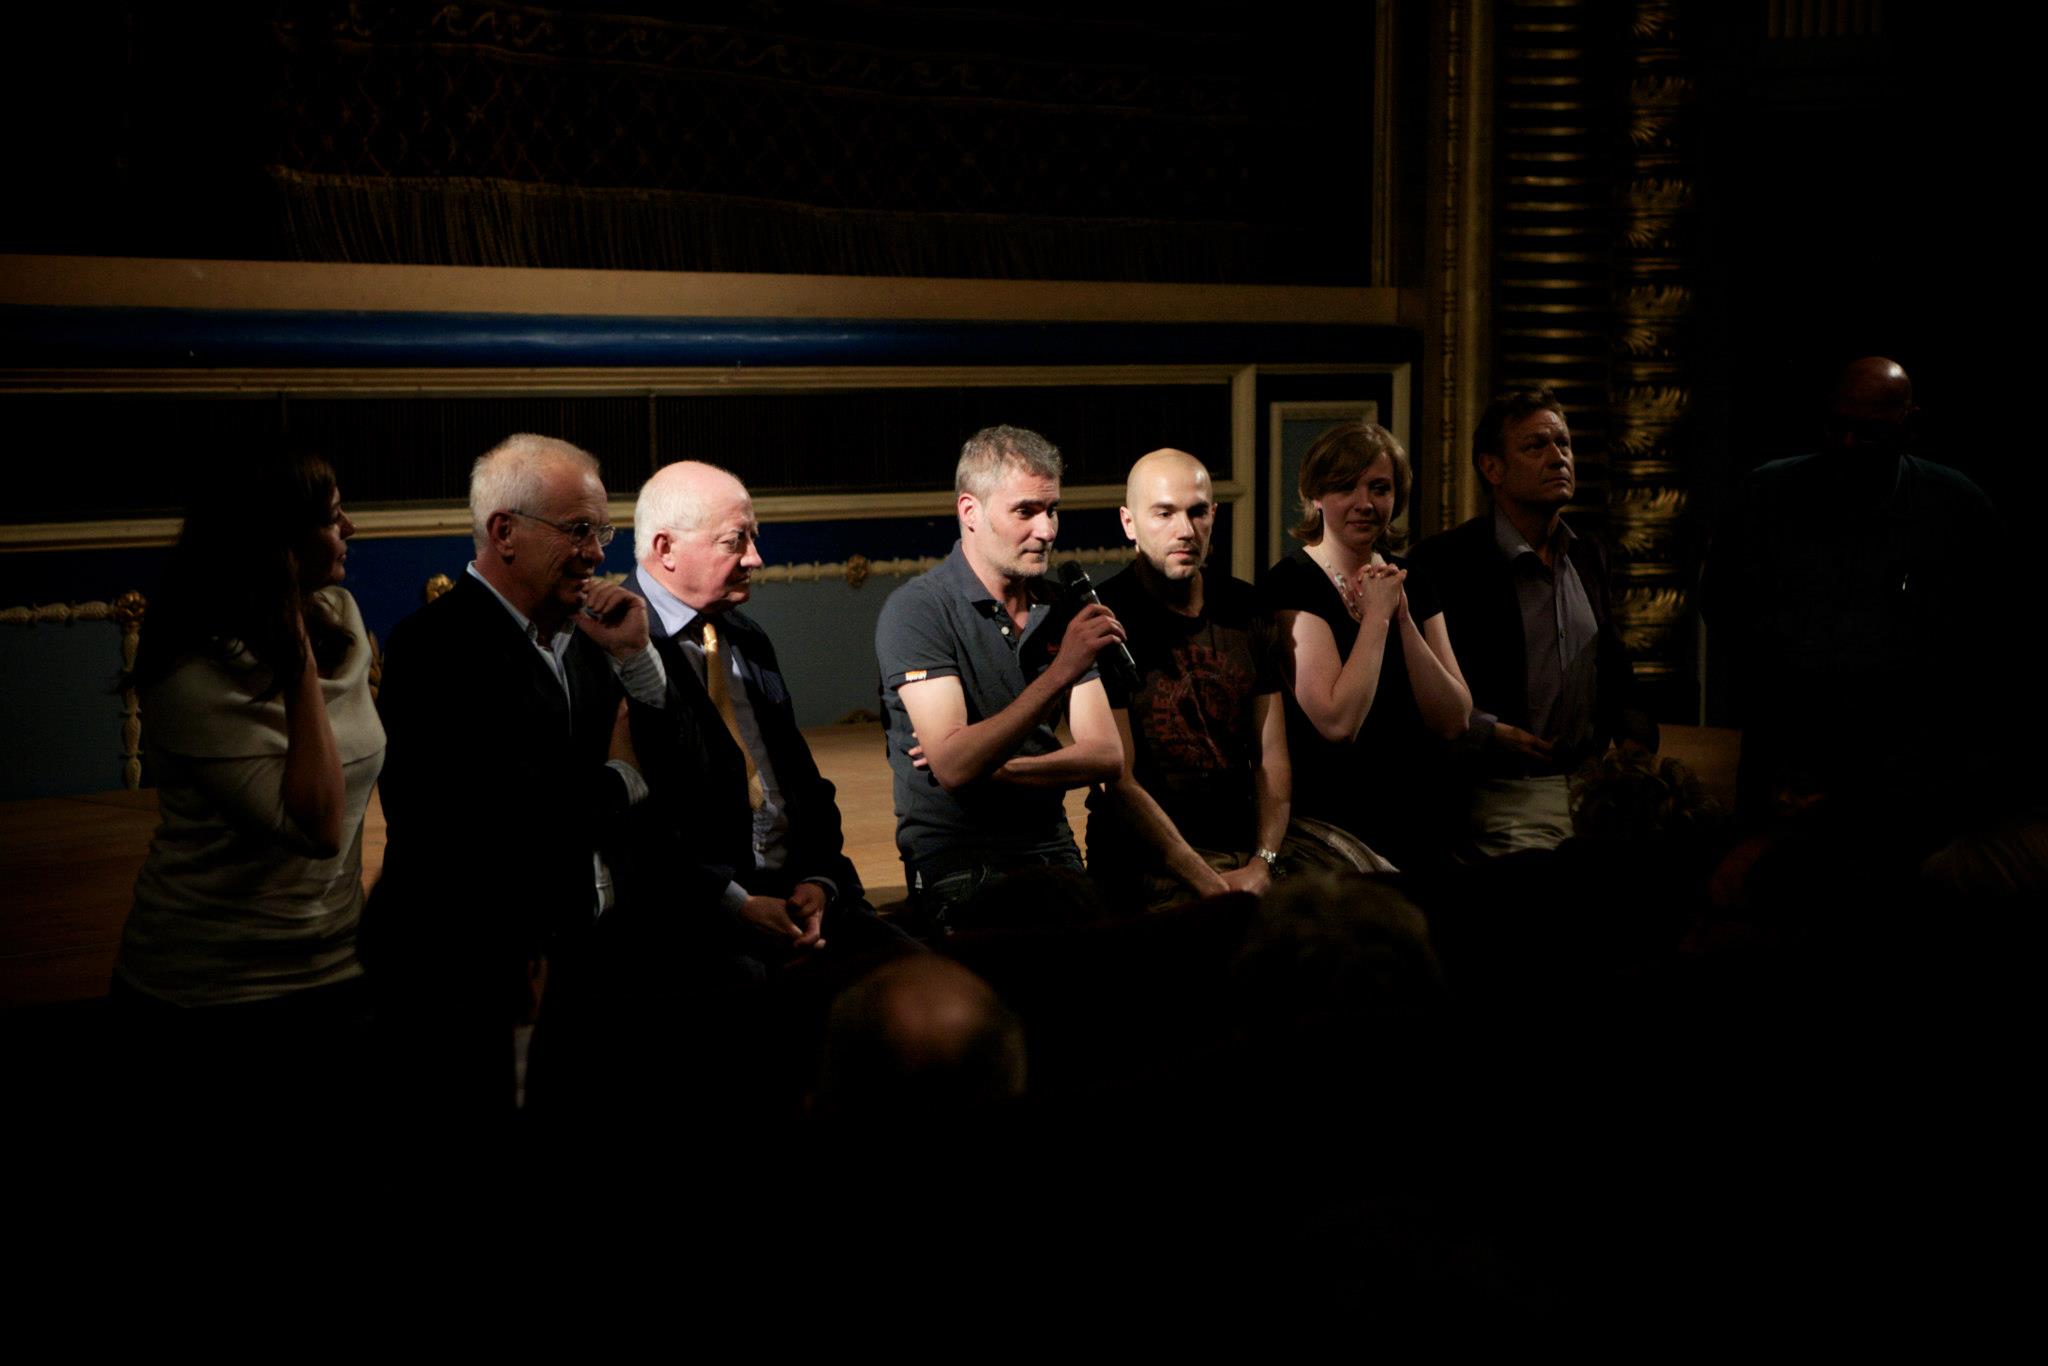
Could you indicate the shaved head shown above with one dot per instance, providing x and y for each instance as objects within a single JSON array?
[
  {"x": 1870, "y": 415},
  {"x": 1873, "y": 385},
  {"x": 1169, "y": 512},
  {"x": 1164, "y": 462}
]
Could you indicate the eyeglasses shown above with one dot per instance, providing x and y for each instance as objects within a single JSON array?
[{"x": 579, "y": 532}]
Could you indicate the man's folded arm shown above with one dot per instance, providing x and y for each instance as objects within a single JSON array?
[
  {"x": 1096, "y": 754},
  {"x": 959, "y": 752}
]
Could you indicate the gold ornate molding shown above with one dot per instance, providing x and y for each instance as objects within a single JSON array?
[
  {"x": 57, "y": 613},
  {"x": 129, "y": 609},
  {"x": 452, "y": 519},
  {"x": 1805, "y": 20},
  {"x": 133, "y": 282},
  {"x": 856, "y": 570},
  {"x": 596, "y": 381},
  {"x": 1646, "y": 519},
  {"x": 1380, "y": 233},
  {"x": 1653, "y": 305},
  {"x": 1459, "y": 270},
  {"x": 137, "y": 533},
  {"x": 1645, "y": 617}
]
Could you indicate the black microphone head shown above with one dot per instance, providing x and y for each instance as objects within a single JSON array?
[{"x": 1072, "y": 575}]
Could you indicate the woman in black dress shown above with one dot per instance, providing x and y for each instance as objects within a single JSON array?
[{"x": 1371, "y": 675}]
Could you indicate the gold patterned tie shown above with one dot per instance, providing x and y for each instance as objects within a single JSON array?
[{"x": 720, "y": 688}]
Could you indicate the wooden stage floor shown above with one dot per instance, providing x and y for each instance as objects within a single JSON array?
[{"x": 68, "y": 864}]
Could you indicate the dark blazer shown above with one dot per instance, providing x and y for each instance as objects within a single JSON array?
[
  {"x": 496, "y": 792},
  {"x": 1476, "y": 587},
  {"x": 815, "y": 842}
]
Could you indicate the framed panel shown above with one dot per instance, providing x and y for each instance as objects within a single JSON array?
[
  {"x": 1291, "y": 429},
  {"x": 1294, "y": 420}
]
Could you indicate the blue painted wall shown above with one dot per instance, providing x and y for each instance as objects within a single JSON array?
[
  {"x": 58, "y": 692},
  {"x": 40, "y": 336},
  {"x": 60, "y": 715},
  {"x": 60, "y": 727}
]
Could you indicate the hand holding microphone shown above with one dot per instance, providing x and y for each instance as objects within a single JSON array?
[{"x": 1095, "y": 635}]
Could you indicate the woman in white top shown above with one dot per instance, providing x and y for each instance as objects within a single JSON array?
[{"x": 238, "y": 962}]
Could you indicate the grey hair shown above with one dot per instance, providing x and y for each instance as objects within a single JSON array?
[
  {"x": 507, "y": 477},
  {"x": 668, "y": 505},
  {"x": 986, "y": 453}
]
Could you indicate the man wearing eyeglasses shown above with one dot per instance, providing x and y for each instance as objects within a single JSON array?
[{"x": 533, "y": 757}]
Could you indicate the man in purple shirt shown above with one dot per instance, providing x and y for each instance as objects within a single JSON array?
[{"x": 1527, "y": 603}]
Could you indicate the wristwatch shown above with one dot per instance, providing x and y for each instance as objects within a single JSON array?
[{"x": 1271, "y": 856}]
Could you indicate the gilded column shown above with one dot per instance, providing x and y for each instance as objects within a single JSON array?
[{"x": 1651, "y": 389}]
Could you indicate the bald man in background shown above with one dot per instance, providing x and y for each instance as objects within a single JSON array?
[
  {"x": 1855, "y": 589},
  {"x": 1205, "y": 788}
]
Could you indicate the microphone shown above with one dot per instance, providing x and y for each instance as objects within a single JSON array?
[{"x": 1077, "y": 582}]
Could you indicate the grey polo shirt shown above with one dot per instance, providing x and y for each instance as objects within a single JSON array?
[{"x": 945, "y": 624}]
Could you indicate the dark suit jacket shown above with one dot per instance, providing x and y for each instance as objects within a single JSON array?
[
  {"x": 816, "y": 844},
  {"x": 1477, "y": 589},
  {"x": 496, "y": 792}
]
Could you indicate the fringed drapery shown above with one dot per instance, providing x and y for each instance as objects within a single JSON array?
[{"x": 476, "y": 221}]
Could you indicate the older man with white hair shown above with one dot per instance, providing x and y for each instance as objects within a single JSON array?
[
  {"x": 772, "y": 825},
  {"x": 518, "y": 707}
]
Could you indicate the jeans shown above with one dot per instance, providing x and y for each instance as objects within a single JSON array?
[{"x": 943, "y": 891}]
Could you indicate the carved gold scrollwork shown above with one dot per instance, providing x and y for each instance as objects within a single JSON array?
[
  {"x": 1657, "y": 301},
  {"x": 1659, "y": 196},
  {"x": 57, "y": 613},
  {"x": 1649, "y": 394},
  {"x": 1646, "y": 616},
  {"x": 1645, "y": 443},
  {"x": 1647, "y": 504},
  {"x": 1660, "y": 92},
  {"x": 1653, "y": 20},
  {"x": 1654, "y": 468},
  {"x": 1647, "y": 404},
  {"x": 129, "y": 610},
  {"x": 1645, "y": 519},
  {"x": 1647, "y": 129},
  {"x": 1641, "y": 339},
  {"x": 856, "y": 570},
  {"x": 1644, "y": 233}
]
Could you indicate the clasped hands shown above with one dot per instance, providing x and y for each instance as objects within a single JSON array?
[
  {"x": 1376, "y": 589},
  {"x": 797, "y": 920}
]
